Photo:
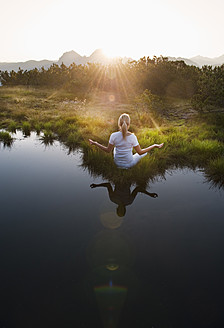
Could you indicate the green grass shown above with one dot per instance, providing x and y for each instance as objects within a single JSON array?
[
  {"x": 6, "y": 138},
  {"x": 37, "y": 128},
  {"x": 12, "y": 127},
  {"x": 215, "y": 172},
  {"x": 48, "y": 138},
  {"x": 73, "y": 140},
  {"x": 26, "y": 128},
  {"x": 47, "y": 126},
  {"x": 102, "y": 164},
  {"x": 192, "y": 142}
]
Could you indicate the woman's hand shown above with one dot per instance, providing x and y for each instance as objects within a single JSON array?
[
  {"x": 161, "y": 145},
  {"x": 106, "y": 149},
  {"x": 92, "y": 142}
]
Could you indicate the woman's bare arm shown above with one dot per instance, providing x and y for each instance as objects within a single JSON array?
[
  {"x": 143, "y": 191},
  {"x": 146, "y": 150},
  {"x": 106, "y": 149},
  {"x": 104, "y": 184}
]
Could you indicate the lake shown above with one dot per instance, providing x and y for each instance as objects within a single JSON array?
[{"x": 71, "y": 258}]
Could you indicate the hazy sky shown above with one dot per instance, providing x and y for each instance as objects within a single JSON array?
[{"x": 45, "y": 29}]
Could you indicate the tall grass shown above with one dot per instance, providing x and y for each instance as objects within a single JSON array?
[
  {"x": 48, "y": 138},
  {"x": 47, "y": 126},
  {"x": 37, "y": 127},
  {"x": 73, "y": 140},
  {"x": 214, "y": 172},
  {"x": 6, "y": 138},
  {"x": 102, "y": 164},
  {"x": 12, "y": 127},
  {"x": 26, "y": 128}
]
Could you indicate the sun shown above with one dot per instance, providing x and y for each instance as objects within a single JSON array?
[{"x": 111, "y": 52}]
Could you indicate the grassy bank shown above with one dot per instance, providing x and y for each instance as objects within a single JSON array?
[{"x": 190, "y": 139}]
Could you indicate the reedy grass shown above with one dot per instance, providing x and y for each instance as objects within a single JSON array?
[
  {"x": 12, "y": 127},
  {"x": 61, "y": 128},
  {"x": 180, "y": 149},
  {"x": 99, "y": 164},
  {"x": 214, "y": 172},
  {"x": 26, "y": 128},
  {"x": 37, "y": 128},
  {"x": 73, "y": 140},
  {"x": 47, "y": 126},
  {"x": 196, "y": 142},
  {"x": 6, "y": 138},
  {"x": 48, "y": 138}
]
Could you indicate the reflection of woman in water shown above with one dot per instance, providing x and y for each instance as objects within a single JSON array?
[
  {"x": 122, "y": 195},
  {"x": 123, "y": 142}
]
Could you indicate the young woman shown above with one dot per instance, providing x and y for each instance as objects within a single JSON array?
[{"x": 123, "y": 143}]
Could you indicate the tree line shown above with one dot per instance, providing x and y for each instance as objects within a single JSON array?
[{"x": 160, "y": 76}]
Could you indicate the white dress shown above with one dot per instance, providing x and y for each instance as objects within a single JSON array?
[{"x": 123, "y": 156}]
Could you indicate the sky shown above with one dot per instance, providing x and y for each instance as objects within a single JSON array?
[{"x": 45, "y": 29}]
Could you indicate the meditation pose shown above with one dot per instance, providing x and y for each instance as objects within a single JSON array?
[
  {"x": 122, "y": 195},
  {"x": 123, "y": 143}
]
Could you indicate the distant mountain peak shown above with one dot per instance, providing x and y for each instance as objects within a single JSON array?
[
  {"x": 186, "y": 60},
  {"x": 70, "y": 53},
  {"x": 97, "y": 52},
  {"x": 98, "y": 56},
  {"x": 198, "y": 56},
  {"x": 69, "y": 57},
  {"x": 201, "y": 60}
]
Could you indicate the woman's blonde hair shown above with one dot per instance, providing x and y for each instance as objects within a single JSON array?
[{"x": 124, "y": 123}]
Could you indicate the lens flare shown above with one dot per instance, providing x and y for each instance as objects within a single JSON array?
[
  {"x": 111, "y": 98},
  {"x": 112, "y": 267},
  {"x": 109, "y": 289},
  {"x": 110, "y": 220}
]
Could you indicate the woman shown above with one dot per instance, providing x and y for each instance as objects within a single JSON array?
[{"x": 123, "y": 142}]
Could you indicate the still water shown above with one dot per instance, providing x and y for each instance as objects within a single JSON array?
[{"x": 68, "y": 260}]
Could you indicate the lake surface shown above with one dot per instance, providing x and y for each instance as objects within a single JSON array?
[{"x": 68, "y": 260}]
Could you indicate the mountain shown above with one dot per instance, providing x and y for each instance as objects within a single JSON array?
[
  {"x": 98, "y": 57},
  {"x": 67, "y": 59},
  {"x": 71, "y": 57},
  {"x": 200, "y": 60},
  {"x": 28, "y": 65},
  {"x": 186, "y": 60}
]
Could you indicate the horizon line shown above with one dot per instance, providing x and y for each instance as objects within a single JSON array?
[{"x": 118, "y": 56}]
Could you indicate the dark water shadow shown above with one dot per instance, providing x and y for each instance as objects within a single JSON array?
[{"x": 122, "y": 195}]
